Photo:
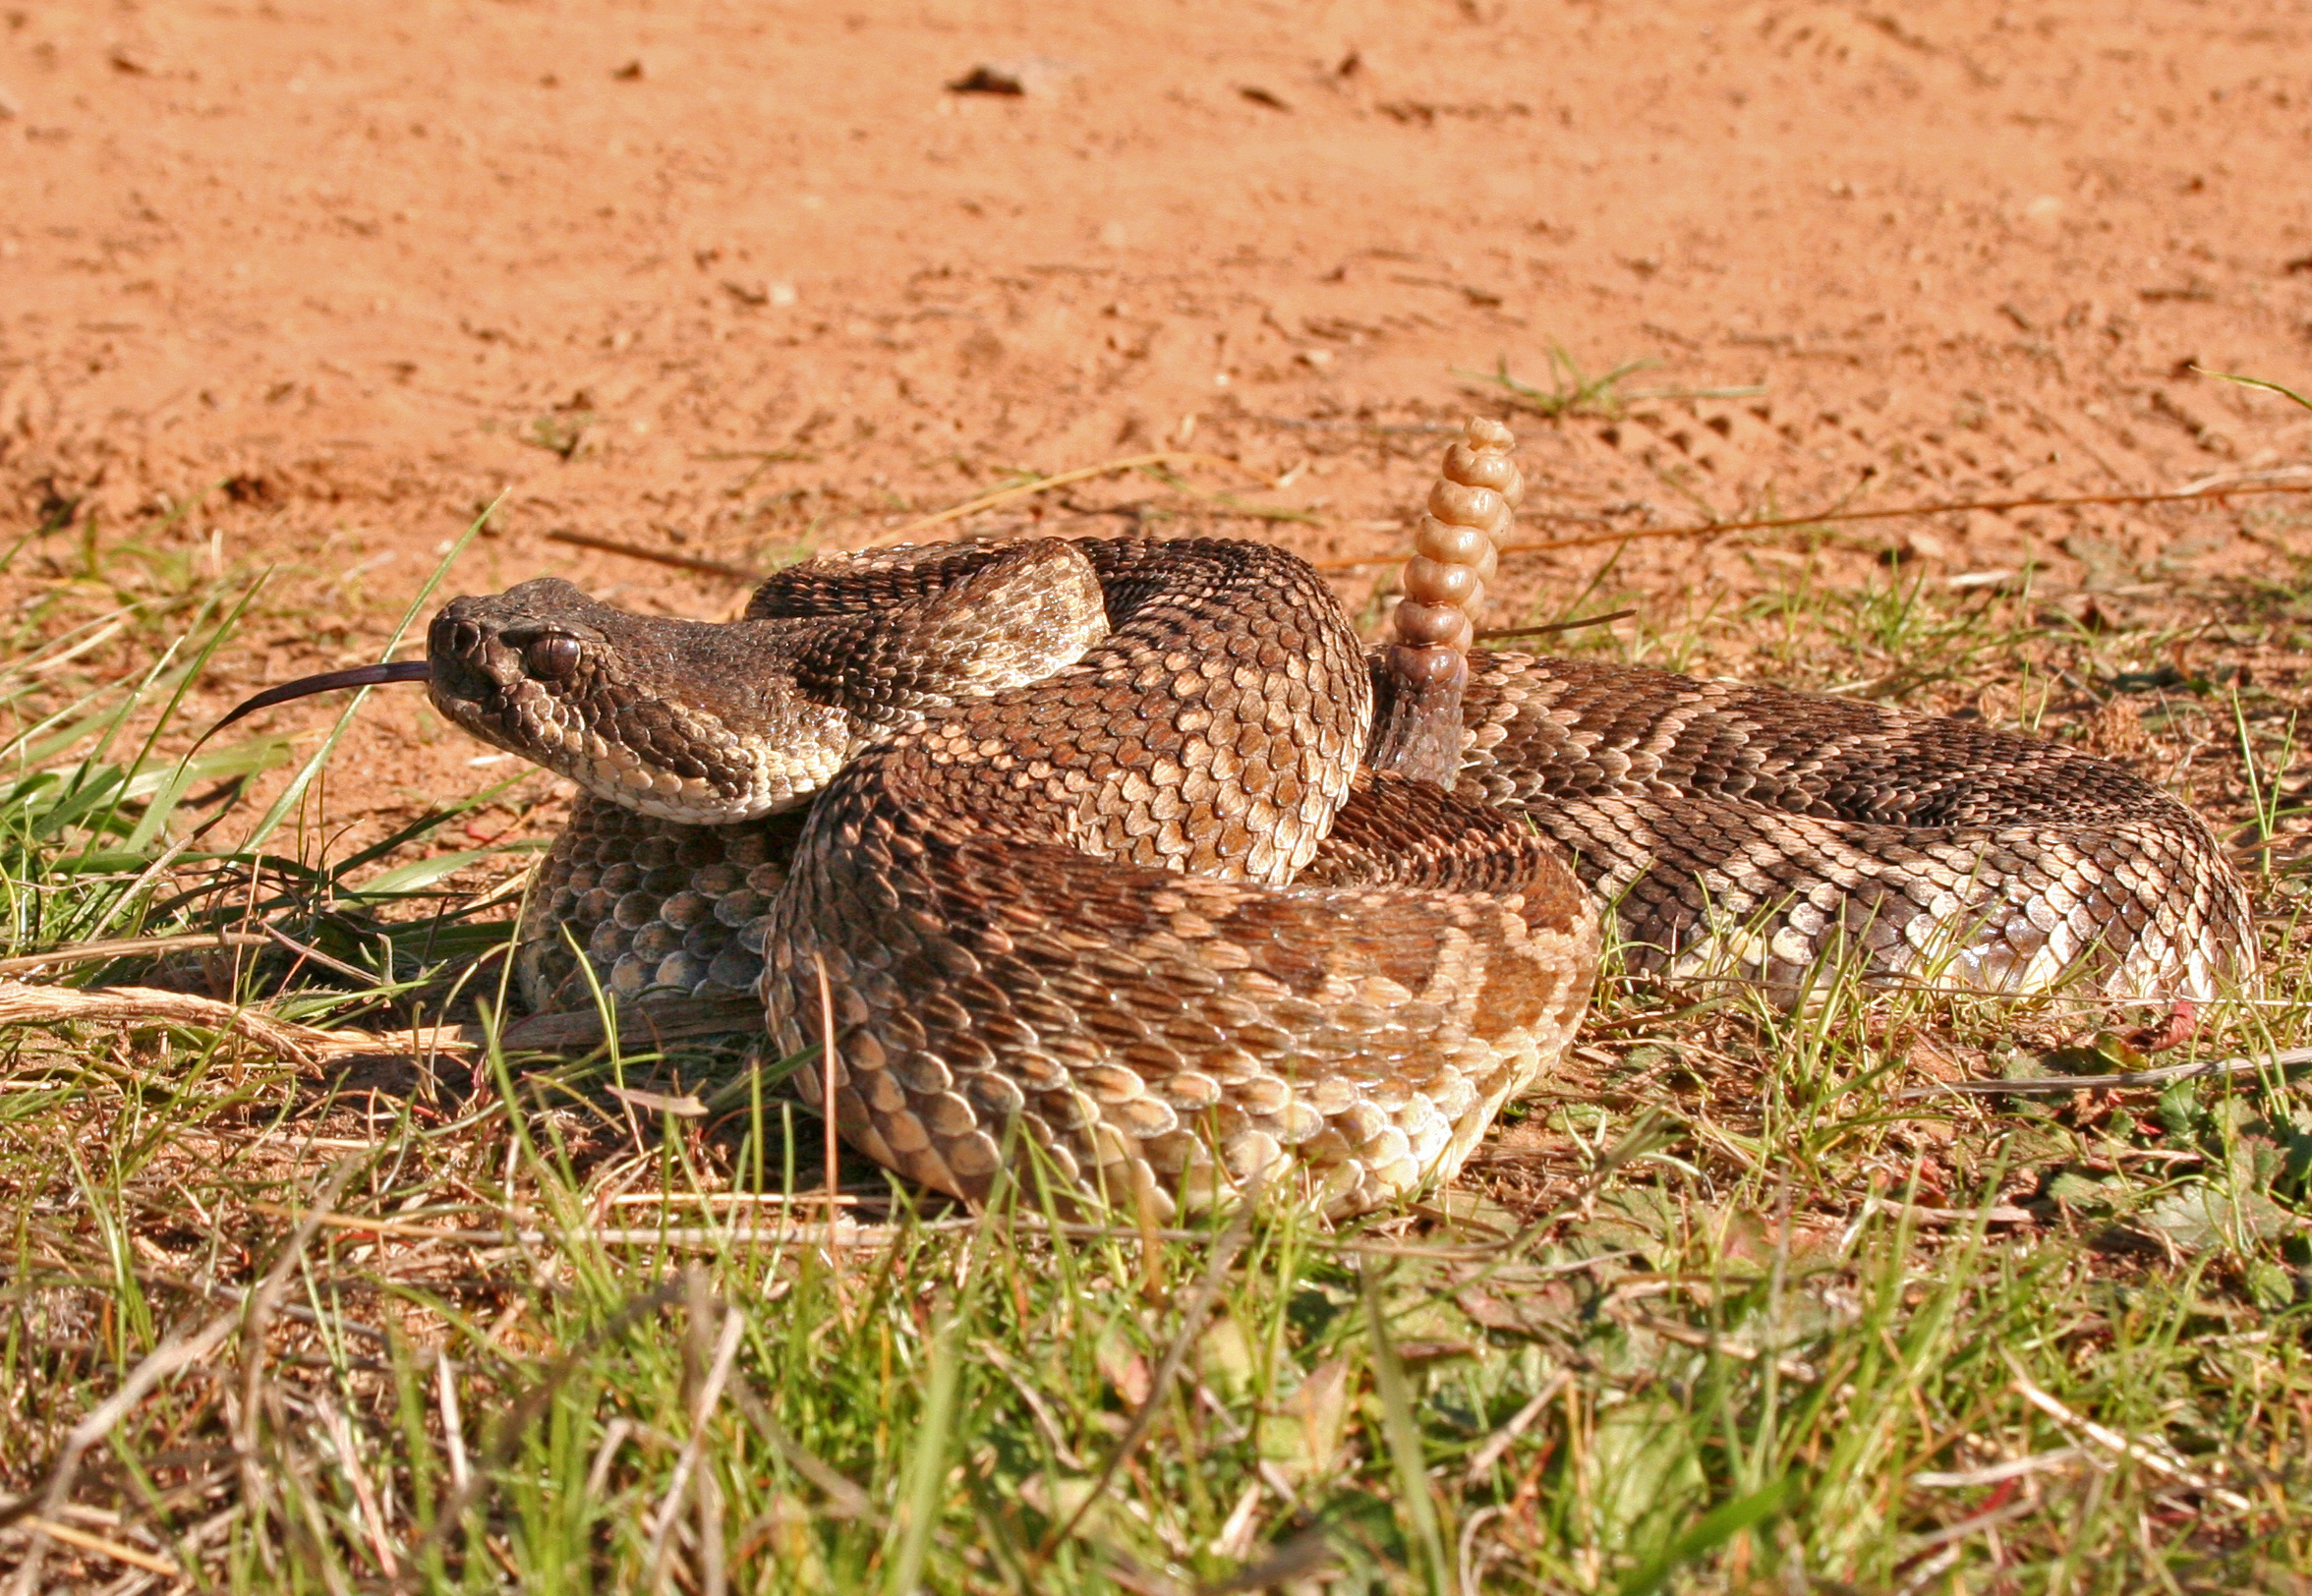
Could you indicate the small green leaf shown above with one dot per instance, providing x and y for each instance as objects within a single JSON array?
[
  {"x": 2269, "y": 1285},
  {"x": 1718, "y": 1526},
  {"x": 2197, "y": 1218},
  {"x": 420, "y": 873},
  {"x": 1303, "y": 1437}
]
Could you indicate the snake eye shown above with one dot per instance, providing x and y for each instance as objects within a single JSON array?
[{"x": 553, "y": 657}]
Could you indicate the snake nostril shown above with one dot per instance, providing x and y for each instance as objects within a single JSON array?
[
  {"x": 454, "y": 648},
  {"x": 453, "y": 639}
]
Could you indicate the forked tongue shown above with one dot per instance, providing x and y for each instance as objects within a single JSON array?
[{"x": 402, "y": 670}]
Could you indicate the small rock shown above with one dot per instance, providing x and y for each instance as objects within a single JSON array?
[
  {"x": 1922, "y": 544},
  {"x": 1027, "y": 75}
]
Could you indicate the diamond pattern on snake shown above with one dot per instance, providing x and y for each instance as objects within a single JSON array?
[{"x": 1127, "y": 858}]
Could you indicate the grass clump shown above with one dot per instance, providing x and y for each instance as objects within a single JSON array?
[{"x": 1574, "y": 393}]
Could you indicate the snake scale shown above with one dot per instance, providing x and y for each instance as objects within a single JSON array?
[{"x": 1118, "y": 855}]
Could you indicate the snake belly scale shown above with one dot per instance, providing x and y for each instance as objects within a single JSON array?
[{"x": 1099, "y": 871}]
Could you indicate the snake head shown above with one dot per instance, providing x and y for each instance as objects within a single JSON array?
[
  {"x": 685, "y": 720},
  {"x": 488, "y": 656},
  {"x": 706, "y": 723}
]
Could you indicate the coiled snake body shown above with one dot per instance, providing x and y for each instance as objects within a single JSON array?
[{"x": 1093, "y": 873}]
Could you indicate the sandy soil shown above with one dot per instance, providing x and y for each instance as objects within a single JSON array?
[{"x": 728, "y": 280}]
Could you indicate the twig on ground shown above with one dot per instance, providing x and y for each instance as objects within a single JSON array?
[
  {"x": 655, "y": 557},
  {"x": 701, "y": 1409},
  {"x": 1227, "y": 504},
  {"x": 1965, "y": 1480},
  {"x": 1670, "y": 1329},
  {"x": 2153, "y": 1456},
  {"x": 817, "y": 1235},
  {"x": 844, "y": 1499},
  {"x": 954, "y": 512},
  {"x": 121, "y": 947},
  {"x": 1714, "y": 529},
  {"x": 2256, "y": 383},
  {"x": 1501, "y": 1439},
  {"x": 1991, "y": 1518},
  {"x": 453, "y": 1421},
  {"x": 1998, "y": 1214},
  {"x": 365, "y": 1493},
  {"x": 314, "y": 955},
  {"x": 1044, "y": 484},
  {"x": 2064, "y": 1085},
  {"x": 161, "y": 1362},
  {"x": 1546, "y": 629},
  {"x": 127, "y": 1555},
  {"x": 144, "y": 1008}
]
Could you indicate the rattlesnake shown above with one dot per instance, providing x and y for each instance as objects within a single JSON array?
[{"x": 1091, "y": 874}]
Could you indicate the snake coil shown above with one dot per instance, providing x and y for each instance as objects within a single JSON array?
[{"x": 1124, "y": 858}]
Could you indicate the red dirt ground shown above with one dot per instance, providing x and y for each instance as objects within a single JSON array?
[{"x": 728, "y": 280}]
